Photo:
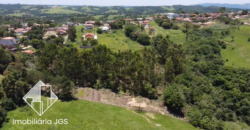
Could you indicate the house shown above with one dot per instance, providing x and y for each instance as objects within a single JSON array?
[
  {"x": 140, "y": 19},
  {"x": 90, "y": 22},
  {"x": 129, "y": 20},
  {"x": 105, "y": 29},
  {"x": 106, "y": 25},
  {"x": 21, "y": 31},
  {"x": 36, "y": 24},
  {"x": 88, "y": 26},
  {"x": 62, "y": 32},
  {"x": 146, "y": 22},
  {"x": 172, "y": 15},
  {"x": 28, "y": 52},
  {"x": 150, "y": 18},
  {"x": 89, "y": 36},
  {"x": 9, "y": 42}
]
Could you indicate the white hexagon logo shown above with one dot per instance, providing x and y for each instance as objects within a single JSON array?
[{"x": 34, "y": 98}]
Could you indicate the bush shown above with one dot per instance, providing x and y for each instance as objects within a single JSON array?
[
  {"x": 175, "y": 27},
  {"x": 249, "y": 39},
  {"x": 99, "y": 31}
]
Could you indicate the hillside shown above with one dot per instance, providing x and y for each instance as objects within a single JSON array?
[
  {"x": 240, "y": 6},
  {"x": 92, "y": 116}
]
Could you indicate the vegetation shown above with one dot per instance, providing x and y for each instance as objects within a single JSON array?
[
  {"x": 96, "y": 116},
  {"x": 200, "y": 72}
]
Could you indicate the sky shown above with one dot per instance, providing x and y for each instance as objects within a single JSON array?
[{"x": 121, "y": 2}]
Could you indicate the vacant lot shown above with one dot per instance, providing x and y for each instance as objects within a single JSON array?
[
  {"x": 94, "y": 116},
  {"x": 177, "y": 36},
  {"x": 115, "y": 41},
  {"x": 118, "y": 41},
  {"x": 237, "y": 52}
]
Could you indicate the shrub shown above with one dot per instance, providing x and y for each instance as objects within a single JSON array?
[
  {"x": 175, "y": 27},
  {"x": 249, "y": 39},
  {"x": 99, "y": 31}
]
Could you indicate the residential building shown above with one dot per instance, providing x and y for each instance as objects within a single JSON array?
[
  {"x": 105, "y": 29},
  {"x": 89, "y": 36},
  {"x": 9, "y": 42},
  {"x": 88, "y": 26}
]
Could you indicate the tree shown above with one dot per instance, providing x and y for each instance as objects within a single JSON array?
[
  {"x": 72, "y": 33},
  {"x": 67, "y": 88},
  {"x": 3, "y": 114},
  {"x": 97, "y": 22},
  {"x": 188, "y": 27},
  {"x": 37, "y": 43},
  {"x": 99, "y": 31},
  {"x": 169, "y": 71},
  {"x": 93, "y": 42},
  {"x": 173, "y": 98},
  {"x": 6, "y": 57},
  {"x": 244, "y": 12},
  {"x": 166, "y": 25},
  {"x": 222, "y": 9},
  {"x": 143, "y": 39},
  {"x": 85, "y": 42},
  {"x": 129, "y": 28}
]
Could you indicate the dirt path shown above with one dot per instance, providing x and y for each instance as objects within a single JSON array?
[{"x": 140, "y": 115}]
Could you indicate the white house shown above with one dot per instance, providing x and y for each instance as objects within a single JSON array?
[
  {"x": 172, "y": 15},
  {"x": 106, "y": 29}
]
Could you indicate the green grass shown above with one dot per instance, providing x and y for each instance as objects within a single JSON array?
[
  {"x": 80, "y": 94},
  {"x": 112, "y": 16},
  {"x": 112, "y": 11},
  {"x": 115, "y": 41},
  {"x": 86, "y": 8},
  {"x": 98, "y": 16},
  {"x": 168, "y": 8},
  {"x": 27, "y": 7},
  {"x": 58, "y": 10},
  {"x": 16, "y": 14},
  {"x": 177, "y": 36},
  {"x": 93, "y": 116},
  {"x": 238, "y": 57},
  {"x": 118, "y": 41}
]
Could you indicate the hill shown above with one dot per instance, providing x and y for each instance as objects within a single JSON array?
[
  {"x": 91, "y": 116},
  {"x": 239, "y": 6}
]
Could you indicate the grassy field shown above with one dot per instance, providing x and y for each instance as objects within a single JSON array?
[
  {"x": 168, "y": 8},
  {"x": 237, "y": 51},
  {"x": 115, "y": 41},
  {"x": 86, "y": 8},
  {"x": 16, "y": 14},
  {"x": 118, "y": 41},
  {"x": 98, "y": 16},
  {"x": 112, "y": 16},
  {"x": 177, "y": 36},
  {"x": 58, "y": 10},
  {"x": 94, "y": 116}
]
